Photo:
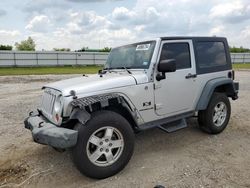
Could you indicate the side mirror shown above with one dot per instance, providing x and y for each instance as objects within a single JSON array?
[
  {"x": 164, "y": 66},
  {"x": 167, "y": 65}
]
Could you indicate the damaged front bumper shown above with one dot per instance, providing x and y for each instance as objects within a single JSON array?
[{"x": 44, "y": 132}]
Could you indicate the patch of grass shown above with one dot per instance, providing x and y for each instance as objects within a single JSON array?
[
  {"x": 241, "y": 66},
  {"x": 49, "y": 70},
  {"x": 91, "y": 69}
]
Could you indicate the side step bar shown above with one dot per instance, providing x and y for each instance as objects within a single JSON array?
[
  {"x": 174, "y": 126},
  {"x": 165, "y": 122}
]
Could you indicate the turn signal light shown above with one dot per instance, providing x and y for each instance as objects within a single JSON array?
[{"x": 57, "y": 117}]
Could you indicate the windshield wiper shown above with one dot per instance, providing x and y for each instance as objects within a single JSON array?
[
  {"x": 126, "y": 68},
  {"x": 104, "y": 70},
  {"x": 111, "y": 68}
]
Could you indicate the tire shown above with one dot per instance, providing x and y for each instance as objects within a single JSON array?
[
  {"x": 98, "y": 130},
  {"x": 215, "y": 118}
]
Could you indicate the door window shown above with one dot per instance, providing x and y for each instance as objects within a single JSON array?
[{"x": 178, "y": 51}]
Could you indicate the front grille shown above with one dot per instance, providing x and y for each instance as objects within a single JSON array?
[{"x": 48, "y": 101}]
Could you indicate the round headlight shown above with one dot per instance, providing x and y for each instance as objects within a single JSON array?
[{"x": 58, "y": 104}]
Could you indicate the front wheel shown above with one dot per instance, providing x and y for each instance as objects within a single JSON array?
[
  {"x": 104, "y": 146},
  {"x": 215, "y": 118}
]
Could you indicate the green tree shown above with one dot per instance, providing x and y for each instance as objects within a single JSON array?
[
  {"x": 62, "y": 49},
  {"x": 106, "y": 49},
  {"x": 5, "y": 47},
  {"x": 26, "y": 45},
  {"x": 83, "y": 49},
  {"x": 239, "y": 50}
]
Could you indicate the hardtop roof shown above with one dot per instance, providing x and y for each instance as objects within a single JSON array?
[{"x": 214, "y": 38}]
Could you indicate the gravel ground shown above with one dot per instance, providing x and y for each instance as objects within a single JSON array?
[{"x": 187, "y": 158}]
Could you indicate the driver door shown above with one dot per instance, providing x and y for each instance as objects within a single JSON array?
[{"x": 176, "y": 93}]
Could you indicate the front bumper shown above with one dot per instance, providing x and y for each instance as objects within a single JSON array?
[{"x": 44, "y": 132}]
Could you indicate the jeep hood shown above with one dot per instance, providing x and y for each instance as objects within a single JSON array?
[{"x": 95, "y": 83}]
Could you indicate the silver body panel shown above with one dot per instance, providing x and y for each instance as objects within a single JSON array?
[{"x": 171, "y": 96}]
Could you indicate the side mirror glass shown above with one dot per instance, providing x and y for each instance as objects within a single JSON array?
[
  {"x": 167, "y": 65},
  {"x": 164, "y": 66}
]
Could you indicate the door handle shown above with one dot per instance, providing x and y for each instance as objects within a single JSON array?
[{"x": 191, "y": 76}]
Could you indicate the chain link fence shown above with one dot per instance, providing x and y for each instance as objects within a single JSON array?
[
  {"x": 14, "y": 58},
  {"x": 22, "y": 59},
  {"x": 240, "y": 57}
]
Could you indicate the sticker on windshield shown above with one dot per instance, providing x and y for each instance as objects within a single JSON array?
[
  {"x": 142, "y": 47},
  {"x": 145, "y": 63}
]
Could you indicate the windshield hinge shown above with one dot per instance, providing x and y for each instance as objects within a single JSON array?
[
  {"x": 157, "y": 86},
  {"x": 158, "y": 106}
]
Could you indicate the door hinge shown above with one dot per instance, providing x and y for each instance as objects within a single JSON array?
[{"x": 146, "y": 104}]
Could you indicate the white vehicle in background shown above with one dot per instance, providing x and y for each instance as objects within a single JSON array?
[{"x": 150, "y": 84}]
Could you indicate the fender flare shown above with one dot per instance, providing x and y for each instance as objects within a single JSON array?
[
  {"x": 82, "y": 115},
  {"x": 209, "y": 88}
]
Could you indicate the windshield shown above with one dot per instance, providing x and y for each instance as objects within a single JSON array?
[{"x": 134, "y": 56}]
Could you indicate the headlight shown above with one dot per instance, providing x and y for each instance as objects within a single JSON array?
[{"x": 58, "y": 104}]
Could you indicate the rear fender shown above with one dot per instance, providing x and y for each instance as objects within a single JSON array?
[{"x": 223, "y": 85}]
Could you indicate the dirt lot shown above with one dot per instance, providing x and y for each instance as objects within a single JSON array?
[{"x": 187, "y": 158}]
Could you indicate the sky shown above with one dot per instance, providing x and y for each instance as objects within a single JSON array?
[{"x": 108, "y": 23}]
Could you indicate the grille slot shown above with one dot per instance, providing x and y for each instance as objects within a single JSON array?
[{"x": 48, "y": 101}]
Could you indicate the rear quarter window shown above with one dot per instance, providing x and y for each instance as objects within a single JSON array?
[{"x": 211, "y": 56}]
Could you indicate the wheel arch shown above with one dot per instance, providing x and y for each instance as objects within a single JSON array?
[
  {"x": 220, "y": 85},
  {"x": 84, "y": 107}
]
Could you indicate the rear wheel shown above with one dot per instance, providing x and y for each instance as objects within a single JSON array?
[
  {"x": 215, "y": 118},
  {"x": 105, "y": 145}
]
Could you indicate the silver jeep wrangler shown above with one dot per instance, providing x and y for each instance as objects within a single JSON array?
[{"x": 158, "y": 83}]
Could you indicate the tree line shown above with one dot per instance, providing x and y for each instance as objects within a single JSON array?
[
  {"x": 239, "y": 50},
  {"x": 30, "y": 45}
]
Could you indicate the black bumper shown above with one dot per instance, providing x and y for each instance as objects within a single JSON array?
[{"x": 44, "y": 132}]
